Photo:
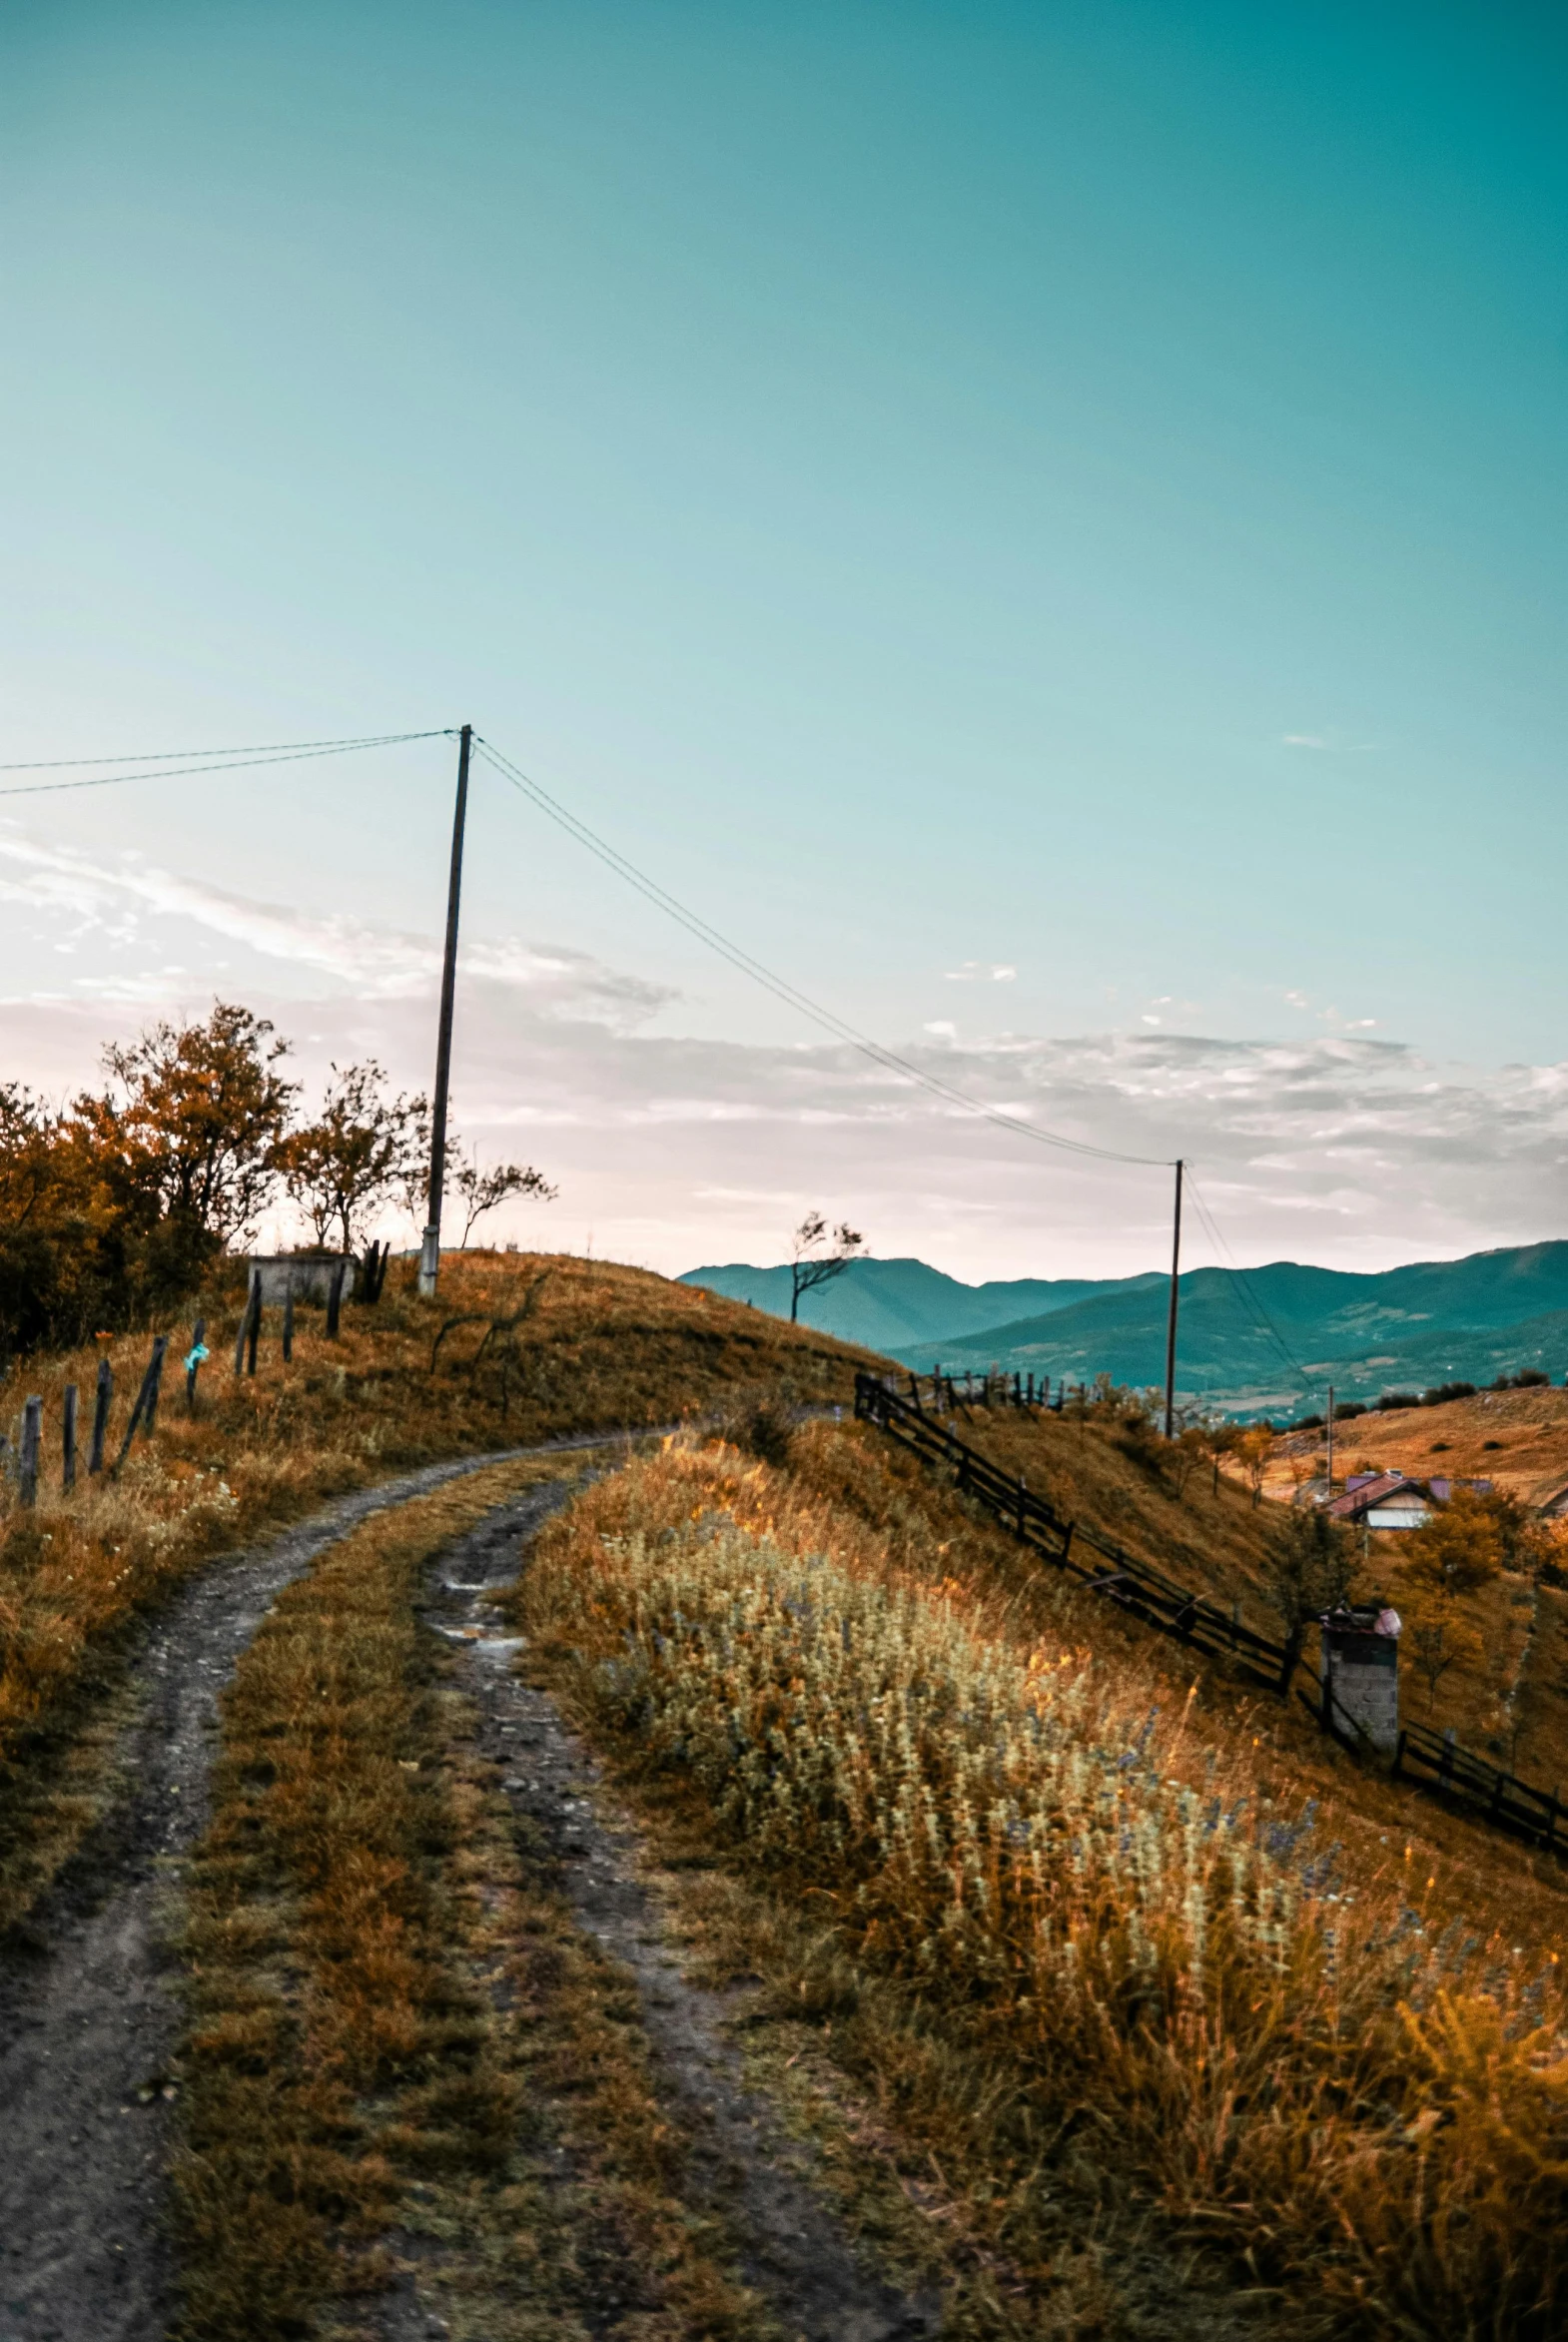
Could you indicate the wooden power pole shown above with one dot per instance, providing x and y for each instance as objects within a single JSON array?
[
  {"x": 1170, "y": 1323},
  {"x": 430, "y": 1250}
]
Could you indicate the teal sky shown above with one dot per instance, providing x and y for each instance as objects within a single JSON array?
[{"x": 1070, "y": 489}]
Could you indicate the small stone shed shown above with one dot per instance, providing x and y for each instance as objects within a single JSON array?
[
  {"x": 311, "y": 1272},
  {"x": 1359, "y": 1674}
]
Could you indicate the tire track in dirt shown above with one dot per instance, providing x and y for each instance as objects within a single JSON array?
[
  {"x": 89, "y": 2002},
  {"x": 791, "y": 2248}
]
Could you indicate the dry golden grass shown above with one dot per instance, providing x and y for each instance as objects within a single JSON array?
[
  {"x": 389, "y": 2017},
  {"x": 605, "y": 1347},
  {"x": 1286, "y": 2045}
]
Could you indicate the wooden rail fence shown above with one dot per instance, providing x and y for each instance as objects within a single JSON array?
[
  {"x": 1433, "y": 1759},
  {"x": 1428, "y": 1759},
  {"x": 1098, "y": 1565}
]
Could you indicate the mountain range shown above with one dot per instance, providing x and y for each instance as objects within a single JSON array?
[
  {"x": 888, "y": 1304},
  {"x": 1270, "y": 1337}
]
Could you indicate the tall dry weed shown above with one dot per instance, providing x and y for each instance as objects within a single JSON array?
[{"x": 1275, "y": 2043}]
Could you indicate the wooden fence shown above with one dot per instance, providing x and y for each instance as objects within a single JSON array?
[
  {"x": 1433, "y": 1759},
  {"x": 1097, "y": 1564},
  {"x": 1428, "y": 1759}
]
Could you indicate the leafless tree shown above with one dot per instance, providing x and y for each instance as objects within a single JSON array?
[
  {"x": 483, "y": 1191},
  {"x": 818, "y": 1255}
]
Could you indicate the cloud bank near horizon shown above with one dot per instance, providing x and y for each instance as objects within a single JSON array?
[{"x": 676, "y": 1150}]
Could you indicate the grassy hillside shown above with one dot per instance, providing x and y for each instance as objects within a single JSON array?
[
  {"x": 600, "y": 1348},
  {"x": 1429, "y": 1322},
  {"x": 1107, "y": 1980},
  {"x": 1094, "y": 1926},
  {"x": 888, "y": 1303}
]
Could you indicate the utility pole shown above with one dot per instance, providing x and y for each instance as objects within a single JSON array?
[
  {"x": 1330, "y": 1496},
  {"x": 430, "y": 1250},
  {"x": 1171, "y": 1327}
]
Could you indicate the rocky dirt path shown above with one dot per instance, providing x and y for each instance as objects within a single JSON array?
[
  {"x": 89, "y": 2010},
  {"x": 790, "y": 2247}
]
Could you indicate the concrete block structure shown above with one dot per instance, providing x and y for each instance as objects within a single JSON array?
[
  {"x": 1359, "y": 1672},
  {"x": 312, "y": 1273}
]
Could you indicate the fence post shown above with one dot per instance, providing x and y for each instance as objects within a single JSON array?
[
  {"x": 155, "y": 1376},
  {"x": 254, "y": 1332},
  {"x": 146, "y": 1408},
  {"x": 32, "y": 1429},
  {"x": 68, "y": 1437},
  {"x": 198, "y": 1351},
  {"x": 335, "y": 1300},
  {"x": 250, "y": 1292},
  {"x": 288, "y": 1319},
  {"x": 94, "y": 1454}
]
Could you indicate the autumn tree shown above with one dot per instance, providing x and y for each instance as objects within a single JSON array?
[
  {"x": 1254, "y": 1446},
  {"x": 1461, "y": 1546},
  {"x": 483, "y": 1190},
  {"x": 1309, "y": 1570},
  {"x": 193, "y": 1121},
  {"x": 1184, "y": 1455},
  {"x": 817, "y": 1256},
  {"x": 1437, "y": 1639},
  {"x": 363, "y": 1148}
]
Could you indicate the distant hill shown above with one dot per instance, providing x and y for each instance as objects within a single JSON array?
[
  {"x": 888, "y": 1305},
  {"x": 1432, "y": 1321}
]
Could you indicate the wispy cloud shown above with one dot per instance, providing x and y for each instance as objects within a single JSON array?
[
  {"x": 116, "y": 900},
  {"x": 677, "y": 1149},
  {"x": 982, "y": 972},
  {"x": 1325, "y": 746}
]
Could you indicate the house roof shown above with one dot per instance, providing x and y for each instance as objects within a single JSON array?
[{"x": 1365, "y": 1491}]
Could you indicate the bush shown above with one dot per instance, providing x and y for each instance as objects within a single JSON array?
[
  {"x": 1348, "y": 1412},
  {"x": 1391, "y": 1399},
  {"x": 1446, "y": 1391},
  {"x": 1528, "y": 1379}
]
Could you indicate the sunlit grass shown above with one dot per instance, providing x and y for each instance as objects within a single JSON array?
[
  {"x": 1275, "y": 2037},
  {"x": 605, "y": 1347}
]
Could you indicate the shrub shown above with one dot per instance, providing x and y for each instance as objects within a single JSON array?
[
  {"x": 1391, "y": 1399},
  {"x": 1447, "y": 1392}
]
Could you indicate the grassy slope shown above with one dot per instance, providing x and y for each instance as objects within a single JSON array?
[
  {"x": 1216, "y": 1542},
  {"x": 865, "y": 1687},
  {"x": 605, "y": 1347}
]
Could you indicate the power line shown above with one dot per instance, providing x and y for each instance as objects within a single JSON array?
[
  {"x": 1240, "y": 1277},
  {"x": 224, "y": 760},
  {"x": 779, "y": 986}
]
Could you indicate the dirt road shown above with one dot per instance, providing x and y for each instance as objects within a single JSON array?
[{"x": 90, "y": 2009}]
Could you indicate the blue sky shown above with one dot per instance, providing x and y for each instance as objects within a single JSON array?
[{"x": 1068, "y": 490}]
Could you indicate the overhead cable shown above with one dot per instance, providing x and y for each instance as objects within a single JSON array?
[
  {"x": 1240, "y": 1279},
  {"x": 222, "y": 760},
  {"x": 779, "y": 986}
]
